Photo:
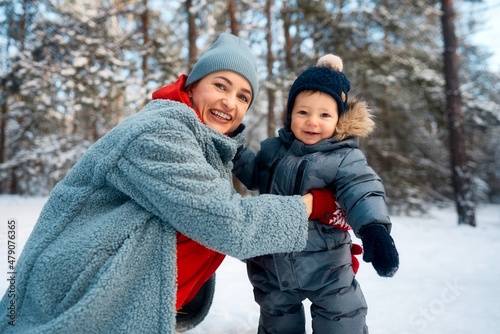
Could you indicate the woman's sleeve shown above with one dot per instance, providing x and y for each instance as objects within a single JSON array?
[{"x": 168, "y": 174}]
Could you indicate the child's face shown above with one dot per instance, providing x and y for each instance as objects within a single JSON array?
[{"x": 314, "y": 117}]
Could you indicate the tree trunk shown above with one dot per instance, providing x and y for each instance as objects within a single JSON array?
[
  {"x": 288, "y": 39},
  {"x": 461, "y": 174},
  {"x": 145, "y": 36},
  {"x": 233, "y": 22},
  {"x": 271, "y": 92},
  {"x": 192, "y": 35},
  {"x": 3, "y": 130},
  {"x": 22, "y": 25}
]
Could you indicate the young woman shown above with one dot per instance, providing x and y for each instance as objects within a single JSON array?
[{"x": 141, "y": 222}]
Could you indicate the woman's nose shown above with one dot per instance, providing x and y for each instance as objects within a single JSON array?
[{"x": 229, "y": 102}]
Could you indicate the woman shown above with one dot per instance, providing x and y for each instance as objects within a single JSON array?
[{"x": 140, "y": 223}]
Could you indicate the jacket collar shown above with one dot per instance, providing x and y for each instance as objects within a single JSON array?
[
  {"x": 357, "y": 121},
  {"x": 176, "y": 92}
]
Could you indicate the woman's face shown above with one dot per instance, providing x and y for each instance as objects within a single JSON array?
[{"x": 222, "y": 99}]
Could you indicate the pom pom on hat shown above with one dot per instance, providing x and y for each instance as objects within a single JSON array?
[
  {"x": 331, "y": 61},
  {"x": 325, "y": 77}
]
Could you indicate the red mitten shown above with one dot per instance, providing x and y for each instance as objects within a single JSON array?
[
  {"x": 327, "y": 210},
  {"x": 355, "y": 250}
]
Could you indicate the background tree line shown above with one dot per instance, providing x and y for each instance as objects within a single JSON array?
[{"x": 72, "y": 69}]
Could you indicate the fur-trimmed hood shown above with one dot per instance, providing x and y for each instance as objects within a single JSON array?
[{"x": 357, "y": 121}]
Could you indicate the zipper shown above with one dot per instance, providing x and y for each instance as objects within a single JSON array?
[
  {"x": 300, "y": 176},
  {"x": 271, "y": 175}
]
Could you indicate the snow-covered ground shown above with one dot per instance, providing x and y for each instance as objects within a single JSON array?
[{"x": 448, "y": 281}]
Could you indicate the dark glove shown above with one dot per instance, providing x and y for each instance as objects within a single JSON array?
[
  {"x": 380, "y": 250},
  {"x": 327, "y": 210}
]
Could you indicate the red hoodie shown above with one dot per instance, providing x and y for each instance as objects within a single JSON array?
[{"x": 195, "y": 262}]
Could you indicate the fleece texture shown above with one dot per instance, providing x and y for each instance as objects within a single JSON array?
[{"x": 102, "y": 256}]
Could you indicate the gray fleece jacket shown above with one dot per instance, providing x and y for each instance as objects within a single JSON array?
[{"x": 102, "y": 256}]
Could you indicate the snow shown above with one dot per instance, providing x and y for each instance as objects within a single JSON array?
[
  {"x": 80, "y": 61},
  {"x": 448, "y": 281}
]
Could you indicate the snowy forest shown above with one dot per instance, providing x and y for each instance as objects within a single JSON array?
[{"x": 70, "y": 70}]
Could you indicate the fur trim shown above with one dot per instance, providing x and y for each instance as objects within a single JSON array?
[{"x": 356, "y": 122}]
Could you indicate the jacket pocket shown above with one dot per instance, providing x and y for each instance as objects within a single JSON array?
[{"x": 332, "y": 237}]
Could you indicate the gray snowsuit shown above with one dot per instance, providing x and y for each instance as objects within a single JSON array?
[{"x": 322, "y": 271}]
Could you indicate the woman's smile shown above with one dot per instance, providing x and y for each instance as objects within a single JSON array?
[{"x": 221, "y": 115}]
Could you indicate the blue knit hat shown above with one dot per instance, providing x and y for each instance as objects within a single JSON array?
[
  {"x": 228, "y": 53},
  {"x": 325, "y": 77}
]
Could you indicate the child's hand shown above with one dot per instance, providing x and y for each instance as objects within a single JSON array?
[{"x": 380, "y": 250}]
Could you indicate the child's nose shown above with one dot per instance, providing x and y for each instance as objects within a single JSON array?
[{"x": 312, "y": 120}]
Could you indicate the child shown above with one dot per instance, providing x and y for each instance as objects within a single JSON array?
[{"x": 319, "y": 147}]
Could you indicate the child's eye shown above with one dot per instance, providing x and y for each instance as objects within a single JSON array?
[
  {"x": 302, "y": 112},
  {"x": 325, "y": 115}
]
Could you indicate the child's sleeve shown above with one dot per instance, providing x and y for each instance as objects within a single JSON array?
[
  {"x": 245, "y": 168},
  {"x": 360, "y": 192}
]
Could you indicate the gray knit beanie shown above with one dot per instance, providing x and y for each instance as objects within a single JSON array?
[{"x": 228, "y": 53}]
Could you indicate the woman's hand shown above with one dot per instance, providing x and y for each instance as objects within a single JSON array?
[{"x": 308, "y": 200}]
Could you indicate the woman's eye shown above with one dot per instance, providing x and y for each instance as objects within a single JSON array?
[
  {"x": 220, "y": 86},
  {"x": 244, "y": 98}
]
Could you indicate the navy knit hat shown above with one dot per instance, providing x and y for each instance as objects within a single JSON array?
[
  {"x": 325, "y": 77},
  {"x": 228, "y": 53}
]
